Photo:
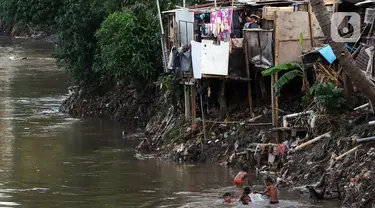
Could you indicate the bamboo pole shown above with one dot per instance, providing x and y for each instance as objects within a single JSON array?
[
  {"x": 274, "y": 77},
  {"x": 160, "y": 20},
  {"x": 362, "y": 106},
  {"x": 346, "y": 153},
  {"x": 326, "y": 135},
  {"x": 163, "y": 48}
]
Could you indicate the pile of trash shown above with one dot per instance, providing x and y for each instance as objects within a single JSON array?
[
  {"x": 328, "y": 156},
  {"x": 337, "y": 165}
]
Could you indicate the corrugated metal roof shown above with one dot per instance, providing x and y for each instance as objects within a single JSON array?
[{"x": 362, "y": 59}]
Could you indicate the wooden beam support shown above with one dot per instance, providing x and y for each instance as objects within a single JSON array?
[
  {"x": 187, "y": 103},
  {"x": 275, "y": 77},
  {"x": 223, "y": 102},
  {"x": 311, "y": 26},
  {"x": 202, "y": 112},
  {"x": 193, "y": 105}
]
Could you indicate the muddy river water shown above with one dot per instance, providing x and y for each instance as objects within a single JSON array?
[{"x": 48, "y": 159}]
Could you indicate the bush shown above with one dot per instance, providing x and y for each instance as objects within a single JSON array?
[
  {"x": 38, "y": 13},
  {"x": 328, "y": 97},
  {"x": 129, "y": 47},
  {"x": 125, "y": 47},
  {"x": 77, "y": 43}
]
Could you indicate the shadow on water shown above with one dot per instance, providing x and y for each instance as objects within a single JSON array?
[{"x": 50, "y": 160}]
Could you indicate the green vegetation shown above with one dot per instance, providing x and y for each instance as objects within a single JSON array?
[
  {"x": 77, "y": 44},
  {"x": 100, "y": 42},
  {"x": 129, "y": 48},
  {"x": 35, "y": 13},
  {"x": 295, "y": 69},
  {"x": 328, "y": 97}
]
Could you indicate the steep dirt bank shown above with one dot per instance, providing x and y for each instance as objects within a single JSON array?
[{"x": 123, "y": 104}]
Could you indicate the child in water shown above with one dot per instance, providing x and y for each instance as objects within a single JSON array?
[
  {"x": 245, "y": 199},
  {"x": 246, "y": 192},
  {"x": 271, "y": 191},
  {"x": 241, "y": 176},
  {"x": 228, "y": 200}
]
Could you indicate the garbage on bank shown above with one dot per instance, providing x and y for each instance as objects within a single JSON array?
[{"x": 219, "y": 52}]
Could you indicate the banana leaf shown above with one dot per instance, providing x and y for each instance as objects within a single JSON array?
[
  {"x": 301, "y": 41},
  {"x": 285, "y": 79},
  {"x": 281, "y": 67}
]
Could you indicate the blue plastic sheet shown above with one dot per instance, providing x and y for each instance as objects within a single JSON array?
[{"x": 328, "y": 54}]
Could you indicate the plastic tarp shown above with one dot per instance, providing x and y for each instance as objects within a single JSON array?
[
  {"x": 196, "y": 59},
  {"x": 214, "y": 58}
]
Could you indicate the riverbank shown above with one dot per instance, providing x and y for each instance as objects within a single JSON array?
[
  {"x": 168, "y": 137},
  {"x": 28, "y": 33}
]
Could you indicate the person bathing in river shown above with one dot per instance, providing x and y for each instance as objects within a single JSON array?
[
  {"x": 245, "y": 199},
  {"x": 271, "y": 191},
  {"x": 246, "y": 192},
  {"x": 228, "y": 200},
  {"x": 242, "y": 176}
]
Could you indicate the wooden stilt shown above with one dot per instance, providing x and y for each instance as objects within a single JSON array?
[
  {"x": 223, "y": 101},
  {"x": 273, "y": 98},
  {"x": 263, "y": 89},
  {"x": 193, "y": 105},
  {"x": 187, "y": 103},
  {"x": 276, "y": 104},
  {"x": 311, "y": 25},
  {"x": 203, "y": 120},
  {"x": 274, "y": 78}
]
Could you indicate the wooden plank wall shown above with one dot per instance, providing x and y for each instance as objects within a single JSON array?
[
  {"x": 287, "y": 29},
  {"x": 289, "y": 26}
]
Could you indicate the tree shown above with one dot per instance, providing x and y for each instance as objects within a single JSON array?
[
  {"x": 129, "y": 47},
  {"x": 363, "y": 83},
  {"x": 77, "y": 44},
  {"x": 39, "y": 13}
]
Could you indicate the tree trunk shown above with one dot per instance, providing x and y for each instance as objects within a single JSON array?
[{"x": 359, "y": 79}]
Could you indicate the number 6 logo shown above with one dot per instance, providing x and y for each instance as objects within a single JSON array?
[{"x": 345, "y": 26}]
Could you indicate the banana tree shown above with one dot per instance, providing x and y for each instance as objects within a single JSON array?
[{"x": 295, "y": 69}]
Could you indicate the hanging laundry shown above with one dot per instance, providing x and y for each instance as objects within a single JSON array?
[
  {"x": 282, "y": 149},
  {"x": 170, "y": 61},
  {"x": 221, "y": 21},
  {"x": 202, "y": 16},
  {"x": 222, "y": 28}
]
